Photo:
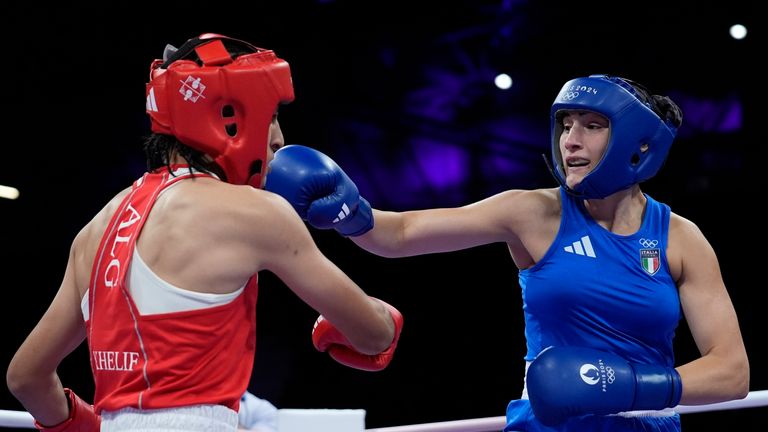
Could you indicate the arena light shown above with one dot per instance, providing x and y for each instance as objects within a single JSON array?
[
  {"x": 738, "y": 31},
  {"x": 8, "y": 192},
  {"x": 503, "y": 81}
]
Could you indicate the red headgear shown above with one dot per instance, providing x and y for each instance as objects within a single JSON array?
[{"x": 223, "y": 106}]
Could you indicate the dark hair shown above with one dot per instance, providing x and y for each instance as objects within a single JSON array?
[
  {"x": 160, "y": 148},
  {"x": 663, "y": 106}
]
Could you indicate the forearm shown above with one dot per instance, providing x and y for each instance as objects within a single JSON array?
[
  {"x": 714, "y": 378},
  {"x": 385, "y": 239}
]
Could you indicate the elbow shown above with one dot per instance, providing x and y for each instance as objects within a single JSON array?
[
  {"x": 384, "y": 330},
  {"x": 382, "y": 250},
  {"x": 389, "y": 254},
  {"x": 384, "y": 335},
  {"x": 24, "y": 378},
  {"x": 741, "y": 380},
  {"x": 743, "y": 393},
  {"x": 385, "y": 340},
  {"x": 735, "y": 384},
  {"x": 17, "y": 381},
  {"x": 376, "y": 342}
]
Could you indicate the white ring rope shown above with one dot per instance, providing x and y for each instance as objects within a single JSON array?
[
  {"x": 17, "y": 419},
  {"x": 488, "y": 424},
  {"x": 22, "y": 419}
]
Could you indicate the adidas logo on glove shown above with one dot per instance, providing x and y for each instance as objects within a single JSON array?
[{"x": 342, "y": 214}]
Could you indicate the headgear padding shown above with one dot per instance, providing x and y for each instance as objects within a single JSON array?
[
  {"x": 633, "y": 124},
  {"x": 221, "y": 106}
]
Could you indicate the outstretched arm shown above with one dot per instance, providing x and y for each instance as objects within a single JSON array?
[
  {"x": 326, "y": 197},
  {"x": 722, "y": 371},
  {"x": 400, "y": 234}
]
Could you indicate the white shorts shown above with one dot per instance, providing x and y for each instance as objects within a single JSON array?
[{"x": 197, "y": 418}]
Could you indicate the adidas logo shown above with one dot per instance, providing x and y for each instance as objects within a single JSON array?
[
  {"x": 151, "y": 104},
  {"x": 582, "y": 247},
  {"x": 342, "y": 214}
]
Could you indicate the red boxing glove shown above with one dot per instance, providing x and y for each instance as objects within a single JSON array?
[
  {"x": 81, "y": 418},
  {"x": 326, "y": 337}
]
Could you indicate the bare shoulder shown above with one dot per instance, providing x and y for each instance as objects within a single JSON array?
[
  {"x": 86, "y": 243},
  {"x": 527, "y": 199},
  {"x": 252, "y": 215},
  {"x": 531, "y": 204},
  {"x": 687, "y": 248},
  {"x": 95, "y": 228},
  {"x": 270, "y": 228},
  {"x": 543, "y": 200},
  {"x": 682, "y": 230},
  {"x": 245, "y": 204}
]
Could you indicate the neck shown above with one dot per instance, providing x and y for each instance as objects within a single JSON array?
[
  {"x": 621, "y": 212},
  {"x": 178, "y": 160}
]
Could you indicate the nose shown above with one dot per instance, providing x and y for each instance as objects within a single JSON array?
[
  {"x": 276, "y": 144},
  {"x": 572, "y": 138},
  {"x": 276, "y": 140}
]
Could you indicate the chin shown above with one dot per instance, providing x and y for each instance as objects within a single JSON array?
[{"x": 572, "y": 183}]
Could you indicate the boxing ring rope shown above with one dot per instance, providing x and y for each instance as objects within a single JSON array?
[
  {"x": 491, "y": 424},
  {"x": 17, "y": 419},
  {"x": 22, "y": 419}
]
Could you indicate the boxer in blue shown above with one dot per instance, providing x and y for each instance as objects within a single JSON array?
[{"x": 606, "y": 271}]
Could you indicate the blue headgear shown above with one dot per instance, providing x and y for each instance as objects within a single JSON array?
[{"x": 639, "y": 142}]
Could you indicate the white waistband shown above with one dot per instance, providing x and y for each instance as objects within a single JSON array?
[{"x": 197, "y": 418}]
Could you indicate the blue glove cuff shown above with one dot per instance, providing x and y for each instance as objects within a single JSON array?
[
  {"x": 657, "y": 387},
  {"x": 358, "y": 223}
]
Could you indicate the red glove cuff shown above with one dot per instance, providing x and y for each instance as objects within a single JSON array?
[
  {"x": 326, "y": 337},
  {"x": 325, "y": 334},
  {"x": 81, "y": 418}
]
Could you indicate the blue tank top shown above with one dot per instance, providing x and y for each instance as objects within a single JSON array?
[{"x": 597, "y": 289}]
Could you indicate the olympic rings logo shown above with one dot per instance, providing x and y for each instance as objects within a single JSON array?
[
  {"x": 648, "y": 243},
  {"x": 610, "y": 374},
  {"x": 571, "y": 95}
]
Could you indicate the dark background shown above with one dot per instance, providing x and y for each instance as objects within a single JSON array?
[{"x": 401, "y": 94}]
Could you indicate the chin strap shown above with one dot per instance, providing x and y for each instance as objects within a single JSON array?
[{"x": 562, "y": 184}]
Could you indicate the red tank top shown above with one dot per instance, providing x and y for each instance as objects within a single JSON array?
[{"x": 202, "y": 356}]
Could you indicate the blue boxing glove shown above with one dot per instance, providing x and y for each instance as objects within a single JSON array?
[
  {"x": 319, "y": 190},
  {"x": 564, "y": 382}
]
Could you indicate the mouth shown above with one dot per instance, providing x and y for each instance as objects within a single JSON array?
[{"x": 576, "y": 164}]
